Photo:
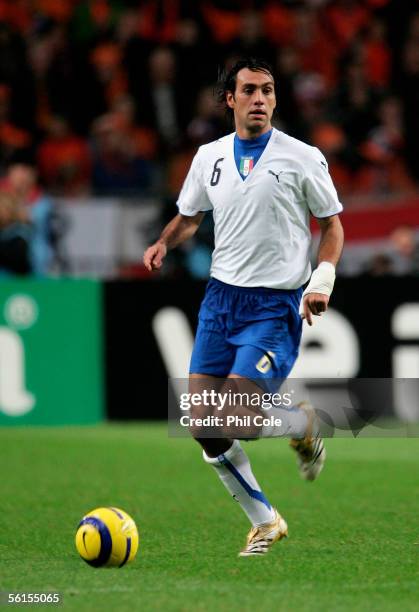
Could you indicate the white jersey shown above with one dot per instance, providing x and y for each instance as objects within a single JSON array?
[{"x": 261, "y": 223}]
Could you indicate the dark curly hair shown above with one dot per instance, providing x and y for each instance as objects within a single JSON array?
[{"x": 227, "y": 80}]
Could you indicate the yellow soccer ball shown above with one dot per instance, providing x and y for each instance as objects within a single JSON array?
[{"x": 107, "y": 537}]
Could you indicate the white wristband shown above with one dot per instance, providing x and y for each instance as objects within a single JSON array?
[{"x": 321, "y": 281}]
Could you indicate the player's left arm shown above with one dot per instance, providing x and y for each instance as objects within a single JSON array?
[{"x": 317, "y": 294}]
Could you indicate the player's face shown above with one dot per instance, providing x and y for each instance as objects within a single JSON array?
[{"x": 253, "y": 102}]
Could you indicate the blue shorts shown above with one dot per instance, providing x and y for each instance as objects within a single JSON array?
[{"x": 252, "y": 332}]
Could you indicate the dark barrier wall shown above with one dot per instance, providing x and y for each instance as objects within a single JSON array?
[
  {"x": 136, "y": 374},
  {"x": 372, "y": 331}
]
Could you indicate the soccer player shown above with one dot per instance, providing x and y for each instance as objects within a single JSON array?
[{"x": 261, "y": 186}]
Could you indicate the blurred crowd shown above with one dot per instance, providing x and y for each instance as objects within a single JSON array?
[
  {"x": 112, "y": 97},
  {"x": 109, "y": 96},
  {"x": 26, "y": 224}
]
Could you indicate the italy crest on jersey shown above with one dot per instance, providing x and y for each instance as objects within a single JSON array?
[{"x": 246, "y": 165}]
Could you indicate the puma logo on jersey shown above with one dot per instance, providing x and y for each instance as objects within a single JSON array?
[{"x": 275, "y": 175}]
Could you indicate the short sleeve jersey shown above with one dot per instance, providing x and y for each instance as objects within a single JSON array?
[{"x": 262, "y": 223}]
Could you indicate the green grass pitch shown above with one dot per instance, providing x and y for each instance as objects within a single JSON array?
[{"x": 353, "y": 541}]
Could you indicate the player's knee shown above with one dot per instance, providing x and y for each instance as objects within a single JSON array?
[{"x": 200, "y": 422}]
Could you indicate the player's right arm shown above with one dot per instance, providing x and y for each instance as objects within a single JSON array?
[
  {"x": 192, "y": 203},
  {"x": 179, "y": 229}
]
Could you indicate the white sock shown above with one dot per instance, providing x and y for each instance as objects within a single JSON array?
[
  {"x": 291, "y": 422},
  {"x": 233, "y": 468}
]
